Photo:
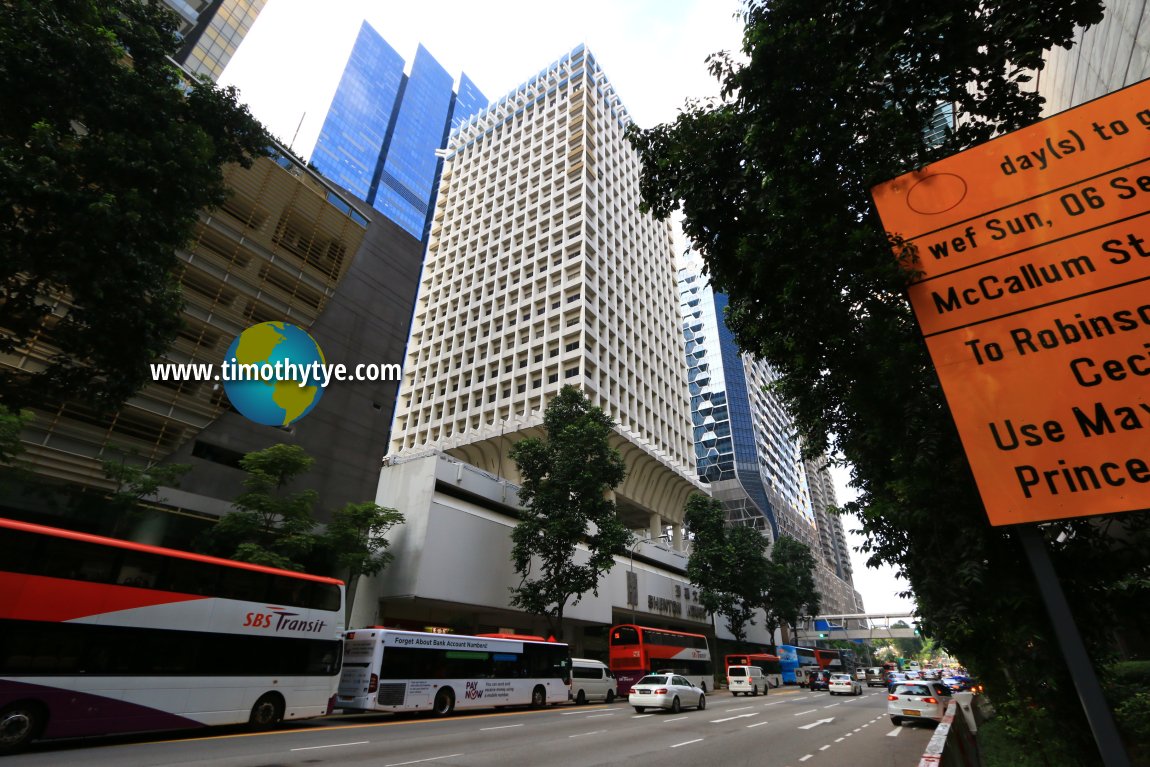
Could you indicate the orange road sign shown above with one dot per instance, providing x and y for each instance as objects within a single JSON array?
[{"x": 1031, "y": 255}]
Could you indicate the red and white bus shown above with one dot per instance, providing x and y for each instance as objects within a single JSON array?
[
  {"x": 636, "y": 651},
  {"x": 101, "y": 636},
  {"x": 397, "y": 671},
  {"x": 770, "y": 664}
]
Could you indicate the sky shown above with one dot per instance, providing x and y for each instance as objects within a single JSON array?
[{"x": 653, "y": 51}]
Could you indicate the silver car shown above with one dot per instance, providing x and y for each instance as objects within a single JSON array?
[{"x": 669, "y": 691}]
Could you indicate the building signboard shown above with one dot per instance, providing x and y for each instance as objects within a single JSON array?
[{"x": 1032, "y": 290}]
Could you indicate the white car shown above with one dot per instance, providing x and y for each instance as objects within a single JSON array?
[
  {"x": 669, "y": 691},
  {"x": 843, "y": 684},
  {"x": 923, "y": 701}
]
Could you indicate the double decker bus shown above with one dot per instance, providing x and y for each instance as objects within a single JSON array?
[
  {"x": 829, "y": 660},
  {"x": 636, "y": 651},
  {"x": 100, "y": 636},
  {"x": 770, "y": 664},
  {"x": 796, "y": 663},
  {"x": 397, "y": 671}
]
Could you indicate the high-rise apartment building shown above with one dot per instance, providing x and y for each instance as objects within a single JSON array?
[
  {"x": 212, "y": 30},
  {"x": 541, "y": 271},
  {"x": 381, "y": 135},
  {"x": 746, "y": 447}
]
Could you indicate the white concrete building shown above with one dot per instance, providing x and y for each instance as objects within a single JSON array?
[{"x": 541, "y": 271}]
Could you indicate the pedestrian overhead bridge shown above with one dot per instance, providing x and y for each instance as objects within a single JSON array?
[{"x": 855, "y": 626}]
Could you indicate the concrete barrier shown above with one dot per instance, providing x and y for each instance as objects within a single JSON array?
[{"x": 953, "y": 743}]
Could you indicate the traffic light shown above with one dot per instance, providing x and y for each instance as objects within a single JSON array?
[
  {"x": 824, "y": 635},
  {"x": 917, "y": 629}
]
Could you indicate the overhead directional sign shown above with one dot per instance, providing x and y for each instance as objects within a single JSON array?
[{"x": 1032, "y": 254}]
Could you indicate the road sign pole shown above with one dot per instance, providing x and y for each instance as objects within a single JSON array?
[{"x": 1073, "y": 650}]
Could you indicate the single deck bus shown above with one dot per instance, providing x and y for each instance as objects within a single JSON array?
[
  {"x": 398, "y": 671},
  {"x": 636, "y": 651},
  {"x": 101, "y": 636},
  {"x": 770, "y": 664}
]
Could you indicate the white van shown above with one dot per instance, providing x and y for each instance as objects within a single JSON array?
[
  {"x": 747, "y": 680},
  {"x": 591, "y": 680}
]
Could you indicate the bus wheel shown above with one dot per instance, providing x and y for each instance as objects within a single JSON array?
[
  {"x": 267, "y": 712},
  {"x": 539, "y": 697},
  {"x": 20, "y": 724},
  {"x": 444, "y": 702}
]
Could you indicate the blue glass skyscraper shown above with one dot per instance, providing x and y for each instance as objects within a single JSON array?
[{"x": 381, "y": 132}]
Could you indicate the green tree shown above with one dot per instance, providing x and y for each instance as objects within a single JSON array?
[
  {"x": 566, "y": 476},
  {"x": 107, "y": 154},
  {"x": 135, "y": 482},
  {"x": 773, "y": 183},
  {"x": 790, "y": 584},
  {"x": 270, "y": 526},
  {"x": 357, "y": 537},
  {"x": 727, "y": 564},
  {"x": 11, "y": 424}
]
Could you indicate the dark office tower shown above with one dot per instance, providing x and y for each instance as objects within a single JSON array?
[
  {"x": 211, "y": 31},
  {"x": 381, "y": 134}
]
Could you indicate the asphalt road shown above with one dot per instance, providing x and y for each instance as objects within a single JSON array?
[{"x": 787, "y": 728}]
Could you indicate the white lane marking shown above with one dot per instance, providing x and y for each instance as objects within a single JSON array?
[
  {"x": 740, "y": 708},
  {"x": 823, "y": 748},
  {"x": 580, "y": 735},
  {"x": 839, "y": 740},
  {"x": 687, "y": 742},
  {"x": 730, "y": 718},
  {"x": 641, "y": 716},
  {"x": 816, "y": 724},
  {"x": 894, "y": 733},
  {"x": 804, "y": 758},
  {"x": 774, "y": 703},
  {"x": 500, "y": 727},
  {"x": 806, "y": 712},
  {"x": 419, "y": 761},
  {"x": 831, "y": 705},
  {"x": 333, "y": 745},
  {"x": 593, "y": 716},
  {"x": 756, "y": 724},
  {"x": 681, "y": 718}
]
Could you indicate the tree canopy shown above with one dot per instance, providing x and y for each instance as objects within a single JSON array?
[
  {"x": 357, "y": 537},
  {"x": 270, "y": 525},
  {"x": 773, "y": 184},
  {"x": 727, "y": 564},
  {"x": 790, "y": 584},
  {"x": 107, "y": 154},
  {"x": 565, "y": 480}
]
